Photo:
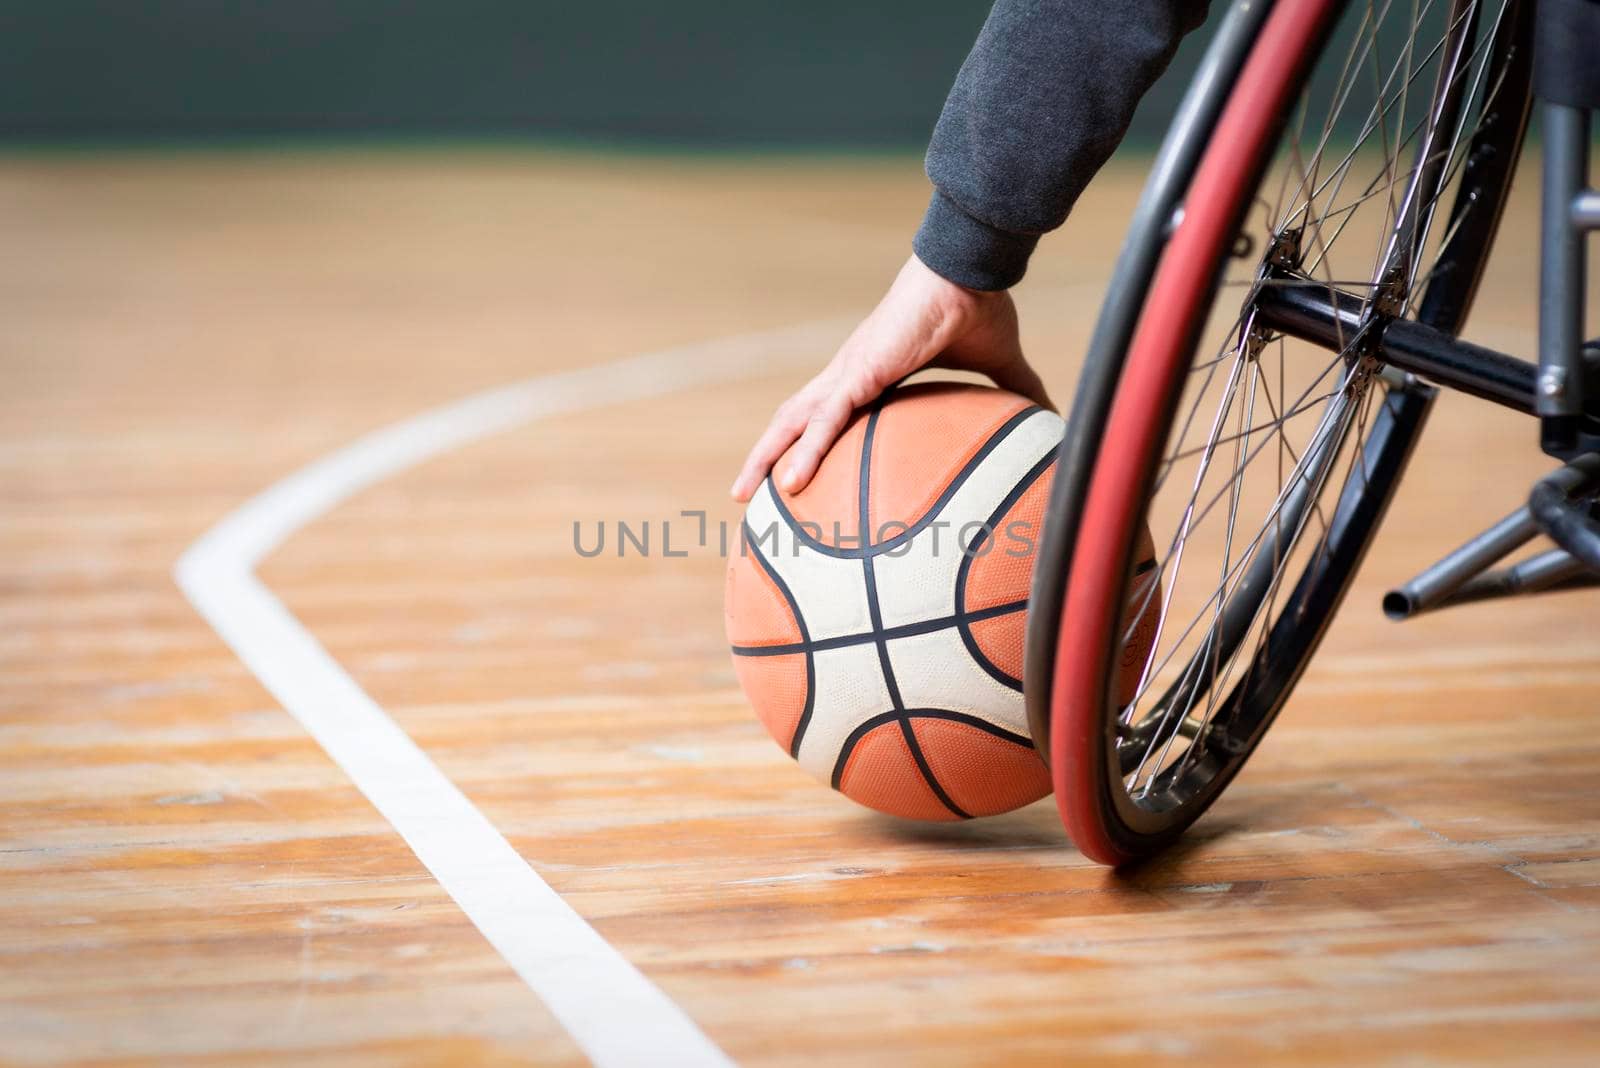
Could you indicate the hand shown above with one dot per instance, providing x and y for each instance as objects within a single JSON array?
[{"x": 922, "y": 321}]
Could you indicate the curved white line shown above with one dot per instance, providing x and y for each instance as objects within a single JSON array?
[{"x": 615, "y": 1014}]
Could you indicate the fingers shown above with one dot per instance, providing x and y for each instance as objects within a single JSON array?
[
  {"x": 786, "y": 425},
  {"x": 814, "y": 418},
  {"x": 808, "y": 424},
  {"x": 821, "y": 431},
  {"x": 920, "y": 316}
]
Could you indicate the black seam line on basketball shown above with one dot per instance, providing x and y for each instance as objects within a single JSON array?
[
  {"x": 927, "y": 772},
  {"x": 970, "y": 554},
  {"x": 878, "y": 637},
  {"x": 869, "y": 725},
  {"x": 991, "y": 669},
  {"x": 874, "y": 611},
  {"x": 903, "y": 630},
  {"x": 805, "y": 639},
  {"x": 903, "y": 717},
  {"x": 863, "y": 483},
  {"x": 847, "y": 747},
  {"x": 971, "y": 721},
  {"x": 867, "y": 551}
]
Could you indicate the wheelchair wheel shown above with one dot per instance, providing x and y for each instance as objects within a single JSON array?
[{"x": 1260, "y": 443}]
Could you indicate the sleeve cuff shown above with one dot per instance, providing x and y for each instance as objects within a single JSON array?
[{"x": 968, "y": 251}]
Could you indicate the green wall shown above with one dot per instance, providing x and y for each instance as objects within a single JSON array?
[{"x": 681, "y": 72}]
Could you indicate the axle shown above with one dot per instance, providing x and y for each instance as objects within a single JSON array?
[{"x": 1333, "y": 319}]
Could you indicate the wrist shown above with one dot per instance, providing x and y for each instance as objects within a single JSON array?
[{"x": 968, "y": 252}]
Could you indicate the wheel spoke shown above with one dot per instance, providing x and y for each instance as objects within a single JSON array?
[
  {"x": 1295, "y": 476},
  {"x": 1267, "y": 447}
]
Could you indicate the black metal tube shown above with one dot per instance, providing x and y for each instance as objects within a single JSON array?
[
  {"x": 1566, "y": 520},
  {"x": 1327, "y": 317},
  {"x": 1434, "y": 586},
  {"x": 1333, "y": 320},
  {"x": 1458, "y": 364},
  {"x": 1565, "y": 131},
  {"x": 1555, "y": 569}
]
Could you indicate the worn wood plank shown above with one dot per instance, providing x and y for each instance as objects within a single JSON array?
[{"x": 1406, "y": 872}]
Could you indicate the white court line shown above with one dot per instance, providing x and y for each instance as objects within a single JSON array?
[{"x": 615, "y": 1014}]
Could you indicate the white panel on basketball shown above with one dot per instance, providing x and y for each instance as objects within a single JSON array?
[
  {"x": 831, "y": 591},
  {"x": 936, "y": 671},
  {"x": 920, "y": 584},
  {"x": 851, "y": 687}
]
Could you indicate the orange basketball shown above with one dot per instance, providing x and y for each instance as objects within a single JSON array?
[{"x": 876, "y": 618}]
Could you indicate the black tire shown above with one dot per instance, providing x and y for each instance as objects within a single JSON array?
[{"x": 1101, "y": 809}]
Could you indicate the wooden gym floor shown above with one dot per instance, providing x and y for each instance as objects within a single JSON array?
[{"x": 1408, "y": 872}]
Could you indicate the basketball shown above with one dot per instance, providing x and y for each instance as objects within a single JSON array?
[{"x": 876, "y": 618}]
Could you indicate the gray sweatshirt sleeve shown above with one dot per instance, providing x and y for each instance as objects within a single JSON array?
[{"x": 1042, "y": 100}]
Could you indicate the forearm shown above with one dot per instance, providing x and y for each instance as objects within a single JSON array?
[{"x": 1043, "y": 99}]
